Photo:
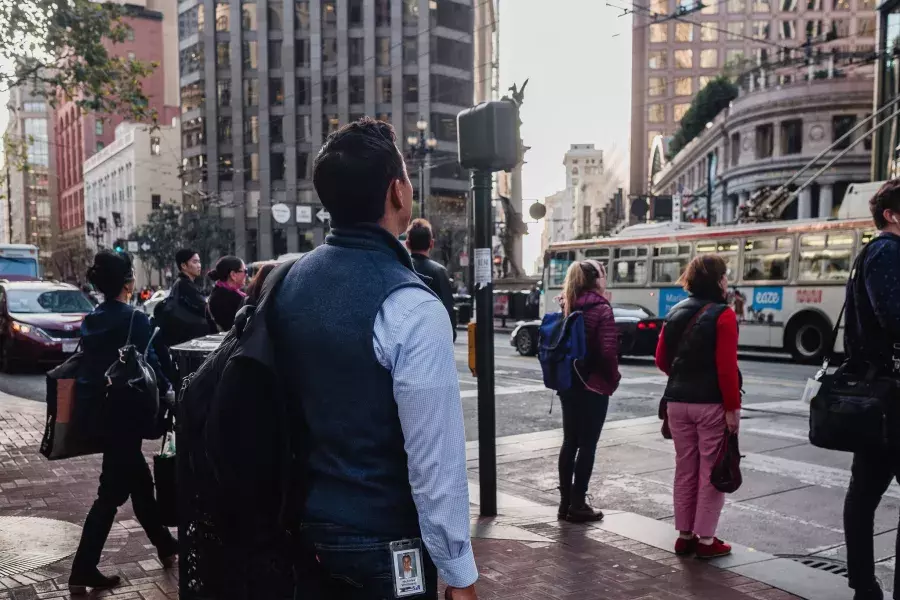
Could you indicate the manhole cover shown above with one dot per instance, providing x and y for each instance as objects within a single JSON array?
[
  {"x": 29, "y": 543},
  {"x": 835, "y": 567}
]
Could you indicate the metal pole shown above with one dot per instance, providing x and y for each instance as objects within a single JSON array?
[
  {"x": 484, "y": 343},
  {"x": 709, "y": 193},
  {"x": 422, "y": 187}
]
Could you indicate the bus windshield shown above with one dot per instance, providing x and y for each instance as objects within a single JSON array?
[{"x": 18, "y": 268}]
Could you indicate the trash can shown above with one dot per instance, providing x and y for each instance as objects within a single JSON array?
[{"x": 463, "y": 305}]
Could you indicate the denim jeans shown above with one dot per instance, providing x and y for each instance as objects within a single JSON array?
[
  {"x": 356, "y": 565},
  {"x": 584, "y": 414}
]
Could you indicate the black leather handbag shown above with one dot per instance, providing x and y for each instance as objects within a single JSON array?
[{"x": 849, "y": 412}]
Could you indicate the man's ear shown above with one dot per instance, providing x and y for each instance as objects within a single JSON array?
[{"x": 395, "y": 195}]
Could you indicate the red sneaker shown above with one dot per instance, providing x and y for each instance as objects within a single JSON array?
[
  {"x": 684, "y": 547},
  {"x": 715, "y": 550}
]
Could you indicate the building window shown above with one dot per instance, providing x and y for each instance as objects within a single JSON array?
[
  {"x": 383, "y": 51},
  {"x": 814, "y": 5},
  {"x": 734, "y": 57},
  {"x": 708, "y": 33},
  {"x": 657, "y": 113},
  {"x": 155, "y": 146},
  {"x": 129, "y": 34},
  {"x": 98, "y": 127},
  {"x": 251, "y": 130},
  {"x": 301, "y": 94},
  {"x": 658, "y": 33},
  {"x": 684, "y": 86},
  {"x": 330, "y": 124},
  {"x": 451, "y": 90},
  {"x": 410, "y": 50},
  {"x": 155, "y": 201},
  {"x": 250, "y": 54},
  {"x": 815, "y": 28},
  {"x": 680, "y": 110},
  {"x": 840, "y": 28},
  {"x": 301, "y": 15},
  {"x": 191, "y": 97},
  {"x": 410, "y": 88},
  {"x": 761, "y": 6},
  {"x": 865, "y": 26},
  {"x": 792, "y": 136},
  {"x": 735, "y": 30},
  {"x": 787, "y": 30},
  {"x": 382, "y": 13},
  {"x": 451, "y": 53},
  {"x": 223, "y": 92},
  {"x": 100, "y": 146},
  {"x": 223, "y": 54},
  {"x": 652, "y": 136},
  {"x": 248, "y": 16},
  {"x": 765, "y": 142},
  {"x": 383, "y": 89},
  {"x": 357, "y": 51},
  {"x": 251, "y": 92},
  {"x": 709, "y": 58},
  {"x": 684, "y": 59},
  {"x": 190, "y": 59},
  {"x": 703, "y": 81},
  {"x": 275, "y": 15},
  {"x": 276, "y": 91},
  {"x": 274, "y": 54},
  {"x": 840, "y": 125},
  {"x": 410, "y": 12},
  {"x": 452, "y": 15},
  {"x": 276, "y": 129},
  {"x": 251, "y": 166},
  {"x": 759, "y": 30},
  {"x": 443, "y": 127},
  {"x": 355, "y": 13},
  {"x": 357, "y": 88},
  {"x": 224, "y": 130},
  {"x": 301, "y": 53},
  {"x": 737, "y": 6},
  {"x": 789, "y": 5},
  {"x": 684, "y": 32},
  {"x": 223, "y": 16},
  {"x": 329, "y": 14},
  {"x": 657, "y": 86},
  {"x": 710, "y": 8},
  {"x": 304, "y": 128},
  {"x": 658, "y": 59},
  {"x": 329, "y": 90},
  {"x": 329, "y": 52}
]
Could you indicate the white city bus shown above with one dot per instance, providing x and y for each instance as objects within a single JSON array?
[
  {"x": 19, "y": 262},
  {"x": 787, "y": 278}
]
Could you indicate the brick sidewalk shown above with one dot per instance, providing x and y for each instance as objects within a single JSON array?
[{"x": 558, "y": 560}]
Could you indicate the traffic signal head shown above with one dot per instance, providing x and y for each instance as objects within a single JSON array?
[{"x": 119, "y": 245}]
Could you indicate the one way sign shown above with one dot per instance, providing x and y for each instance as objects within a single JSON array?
[{"x": 323, "y": 215}]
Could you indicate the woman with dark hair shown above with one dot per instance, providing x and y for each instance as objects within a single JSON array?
[
  {"x": 124, "y": 472},
  {"x": 698, "y": 351},
  {"x": 585, "y": 406},
  {"x": 254, "y": 290},
  {"x": 227, "y": 296}
]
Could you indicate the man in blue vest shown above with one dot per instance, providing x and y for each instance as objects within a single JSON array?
[{"x": 367, "y": 351}]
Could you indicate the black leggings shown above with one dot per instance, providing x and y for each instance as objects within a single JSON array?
[{"x": 584, "y": 413}]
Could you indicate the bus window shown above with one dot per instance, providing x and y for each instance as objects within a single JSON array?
[
  {"x": 866, "y": 237},
  {"x": 601, "y": 255},
  {"x": 669, "y": 262},
  {"x": 826, "y": 258},
  {"x": 559, "y": 264},
  {"x": 628, "y": 268},
  {"x": 767, "y": 259},
  {"x": 728, "y": 250}
]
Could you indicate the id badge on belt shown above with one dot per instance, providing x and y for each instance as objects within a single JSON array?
[{"x": 406, "y": 558}]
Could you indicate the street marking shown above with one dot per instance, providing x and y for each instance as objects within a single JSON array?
[{"x": 519, "y": 389}]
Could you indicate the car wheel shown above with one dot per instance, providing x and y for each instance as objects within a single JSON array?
[
  {"x": 808, "y": 340},
  {"x": 525, "y": 344},
  {"x": 6, "y": 361}
]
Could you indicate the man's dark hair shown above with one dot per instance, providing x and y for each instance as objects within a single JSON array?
[
  {"x": 355, "y": 168},
  {"x": 183, "y": 256},
  {"x": 419, "y": 236},
  {"x": 886, "y": 198}
]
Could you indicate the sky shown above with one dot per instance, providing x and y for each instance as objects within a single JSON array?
[{"x": 579, "y": 89}]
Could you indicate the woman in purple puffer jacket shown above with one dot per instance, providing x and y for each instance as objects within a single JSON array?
[{"x": 584, "y": 407}]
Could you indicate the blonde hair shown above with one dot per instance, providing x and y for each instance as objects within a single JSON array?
[{"x": 581, "y": 277}]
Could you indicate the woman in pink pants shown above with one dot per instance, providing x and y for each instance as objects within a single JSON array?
[{"x": 698, "y": 351}]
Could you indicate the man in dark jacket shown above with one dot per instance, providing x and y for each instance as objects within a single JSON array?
[
  {"x": 184, "y": 316},
  {"x": 871, "y": 337},
  {"x": 420, "y": 242}
]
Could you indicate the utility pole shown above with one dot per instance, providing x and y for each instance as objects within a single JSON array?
[{"x": 8, "y": 204}]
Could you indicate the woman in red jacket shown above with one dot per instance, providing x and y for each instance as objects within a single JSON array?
[
  {"x": 584, "y": 407},
  {"x": 698, "y": 351}
]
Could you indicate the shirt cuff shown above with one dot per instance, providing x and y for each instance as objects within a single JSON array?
[{"x": 459, "y": 572}]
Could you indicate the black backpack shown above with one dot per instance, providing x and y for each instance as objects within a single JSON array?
[
  {"x": 132, "y": 397},
  {"x": 237, "y": 456}
]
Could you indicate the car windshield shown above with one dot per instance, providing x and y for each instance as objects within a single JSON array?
[
  {"x": 48, "y": 301},
  {"x": 630, "y": 311}
]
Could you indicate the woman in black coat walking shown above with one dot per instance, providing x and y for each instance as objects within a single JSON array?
[{"x": 227, "y": 296}]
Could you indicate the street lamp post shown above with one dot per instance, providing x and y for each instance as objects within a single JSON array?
[{"x": 420, "y": 147}]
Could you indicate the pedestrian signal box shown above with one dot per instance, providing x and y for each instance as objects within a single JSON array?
[{"x": 488, "y": 136}]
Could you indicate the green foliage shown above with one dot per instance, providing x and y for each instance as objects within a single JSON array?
[
  {"x": 708, "y": 103},
  {"x": 63, "y": 49}
]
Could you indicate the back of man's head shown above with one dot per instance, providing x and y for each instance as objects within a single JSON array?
[
  {"x": 887, "y": 198},
  {"x": 354, "y": 170},
  {"x": 419, "y": 236}
]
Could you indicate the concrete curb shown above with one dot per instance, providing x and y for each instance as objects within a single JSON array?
[{"x": 10, "y": 403}]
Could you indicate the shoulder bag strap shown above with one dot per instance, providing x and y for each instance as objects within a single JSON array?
[
  {"x": 688, "y": 330},
  {"x": 130, "y": 327}
]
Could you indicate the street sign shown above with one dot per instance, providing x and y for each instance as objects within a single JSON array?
[
  {"x": 676, "y": 207},
  {"x": 145, "y": 247},
  {"x": 323, "y": 215},
  {"x": 304, "y": 214},
  {"x": 132, "y": 246},
  {"x": 281, "y": 213}
]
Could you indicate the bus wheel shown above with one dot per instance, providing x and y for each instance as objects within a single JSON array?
[
  {"x": 525, "y": 343},
  {"x": 808, "y": 339}
]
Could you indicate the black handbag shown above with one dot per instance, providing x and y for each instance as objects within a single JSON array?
[
  {"x": 164, "y": 480},
  {"x": 72, "y": 422},
  {"x": 849, "y": 412},
  {"x": 726, "y": 473}
]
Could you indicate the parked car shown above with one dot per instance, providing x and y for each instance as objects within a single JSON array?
[
  {"x": 40, "y": 321},
  {"x": 151, "y": 304},
  {"x": 638, "y": 332}
]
